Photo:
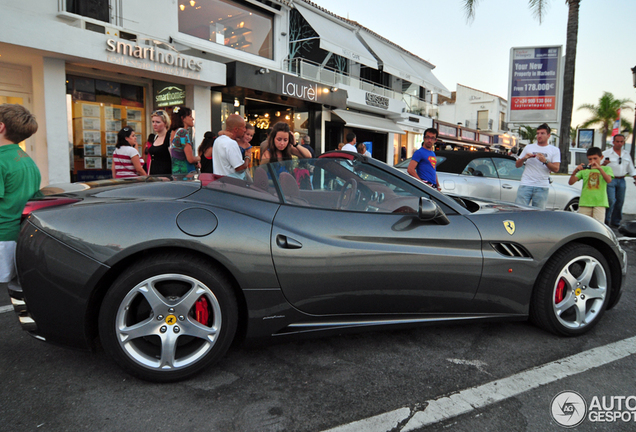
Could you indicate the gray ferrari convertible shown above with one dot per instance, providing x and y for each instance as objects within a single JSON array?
[{"x": 166, "y": 273}]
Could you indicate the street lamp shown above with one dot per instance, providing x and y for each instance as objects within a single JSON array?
[{"x": 633, "y": 149}]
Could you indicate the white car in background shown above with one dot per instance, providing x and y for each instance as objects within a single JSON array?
[{"x": 491, "y": 176}]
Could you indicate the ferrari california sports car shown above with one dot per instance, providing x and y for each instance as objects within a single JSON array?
[
  {"x": 491, "y": 176},
  {"x": 165, "y": 273}
]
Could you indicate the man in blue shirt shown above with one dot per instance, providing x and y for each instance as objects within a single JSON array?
[{"x": 423, "y": 162}]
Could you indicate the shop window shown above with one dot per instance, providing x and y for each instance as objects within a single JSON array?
[
  {"x": 234, "y": 24},
  {"x": 100, "y": 108},
  {"x": 96, "y": 9}
]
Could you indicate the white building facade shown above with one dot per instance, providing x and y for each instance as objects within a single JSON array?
[{"x": 88, "y": 68}]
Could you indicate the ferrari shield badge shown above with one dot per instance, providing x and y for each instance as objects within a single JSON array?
[{"x": 510, "y": 226}]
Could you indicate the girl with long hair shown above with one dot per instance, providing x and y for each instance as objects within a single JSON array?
[
  {"x": 159, "y": 151},
  {"x": 281, "y": 145},
  {"x": 205, "y": 152}
]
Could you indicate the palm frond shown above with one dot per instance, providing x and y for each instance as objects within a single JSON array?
[
  {"x": 539, "y": 8},
  {"x": 469, "y": 9}
]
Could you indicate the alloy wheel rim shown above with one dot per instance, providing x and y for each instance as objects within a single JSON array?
[
  {"x": 579, "y": 292},
  {"x": 156, "y": 323}
]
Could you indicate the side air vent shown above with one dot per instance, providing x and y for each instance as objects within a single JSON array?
[{"x": 512, "y": 250}]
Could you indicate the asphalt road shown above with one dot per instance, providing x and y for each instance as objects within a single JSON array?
[{"x": 315, "y": 385}]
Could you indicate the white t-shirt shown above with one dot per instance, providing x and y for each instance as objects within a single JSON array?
[
  {"x": 226, "y": 156},
  {"x": 350, "y": 147},
  {"x": 536, "y": 173}
]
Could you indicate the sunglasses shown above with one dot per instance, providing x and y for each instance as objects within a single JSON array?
[
  {"x": 620, "y": 160},
  {"x": 159, "y": 113}
]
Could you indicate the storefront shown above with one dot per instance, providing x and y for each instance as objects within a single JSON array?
[
  {"x": 83, "y": 92},
  {"x": 414, "y": 127},
  {"x": 266, "y": 97},
  {"x": 368, "y": 116}
]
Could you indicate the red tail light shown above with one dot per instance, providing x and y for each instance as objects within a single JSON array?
[{"x": 44, "y": 203}]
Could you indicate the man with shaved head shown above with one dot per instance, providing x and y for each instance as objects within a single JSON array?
[{"x": 226, "y": 154}]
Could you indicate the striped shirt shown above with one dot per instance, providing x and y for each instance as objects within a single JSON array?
[{"x": 122, "y": 160}]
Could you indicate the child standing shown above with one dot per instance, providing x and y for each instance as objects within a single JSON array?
[
  {"x": 19, "y": 180},
  {"x": 595, "y": 178}
]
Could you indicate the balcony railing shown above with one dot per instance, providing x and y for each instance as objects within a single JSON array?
[{"x": 328, "y": 76}]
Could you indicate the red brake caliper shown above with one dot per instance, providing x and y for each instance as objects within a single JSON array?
[
  {"x": 560, "y": 291},
  {"x": 202, "y": 310}
]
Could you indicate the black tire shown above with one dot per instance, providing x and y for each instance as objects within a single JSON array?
[
  {"x": 572, "y": 291},
  {"x": 573, "y": 205},
  {"x": 190, "y": 324}
]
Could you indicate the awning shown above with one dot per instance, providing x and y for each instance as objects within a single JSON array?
[
  {"x": 378, "y": 124},
  {"x": 404, "y": 65},
  {"x": 426, "y": 73},
  {"x": 337, "y": 38}
]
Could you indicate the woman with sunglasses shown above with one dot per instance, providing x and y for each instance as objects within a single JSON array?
[
  {"x": 184, "y": 160},
  {"x": 126, "y": 160},
  {"x": 160, "y": 161}
]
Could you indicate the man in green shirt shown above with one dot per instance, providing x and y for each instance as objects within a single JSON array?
[
  {"x": 19, "y": 180},
  {"x": 595, "y": 178}
]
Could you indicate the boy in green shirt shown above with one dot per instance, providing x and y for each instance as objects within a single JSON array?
[
  {"x": 595, "y": 178},
  {"x": 19, "y": 180}
]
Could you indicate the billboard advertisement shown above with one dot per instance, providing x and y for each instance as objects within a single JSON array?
[{"x": 534, "y": 88}]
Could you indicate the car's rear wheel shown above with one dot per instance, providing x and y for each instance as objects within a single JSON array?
[
  {"x": 167, "y": 317},
  {"x": 572, "y": 291},
  {"x": 573, "y": 205}
]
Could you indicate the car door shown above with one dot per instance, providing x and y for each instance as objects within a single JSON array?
[
  {"x": 510, "y": 177},
  {"x": 478, "y": 179},
  {"x": 373, "y": 257}
]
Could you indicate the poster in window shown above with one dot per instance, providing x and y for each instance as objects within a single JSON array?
[
  {"x": 111, "y": 138},
  {"x": 93, "y": 162},
  {"x": 113, "y": 125},
  {"x": 111, "y": 113},
  {"x": 91, "y": 123},
  {"x": 89, "y": 110},
  {"x": 136, "y": 126},
  {"x": 585, "y": 138},
  {"x": 134, "y": 115},
  {"x": 92, "y": 149},
  {"x": 92, "y": 137},
  {"x": 110, "y": 149},
  {"x": 109, "y": 163}
]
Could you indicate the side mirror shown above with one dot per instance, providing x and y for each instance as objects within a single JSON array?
[{"x": 429, "y": 210}]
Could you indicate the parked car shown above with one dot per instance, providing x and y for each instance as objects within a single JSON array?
[
  {"x": 165, "y": 273},
  {"x": 491, "y": 176}
]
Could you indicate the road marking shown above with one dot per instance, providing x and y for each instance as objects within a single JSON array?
[
  {"x": 4, "y": 309},
  {"x": 444, "y": 408}
]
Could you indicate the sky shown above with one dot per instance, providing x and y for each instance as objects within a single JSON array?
[{"x": 477, "y": 54}]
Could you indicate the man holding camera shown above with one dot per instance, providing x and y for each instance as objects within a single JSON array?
[
  {"x": 622, "y": 165},
  {"x": 595, "y": 178},
  {"x": 540, "y": 159}
]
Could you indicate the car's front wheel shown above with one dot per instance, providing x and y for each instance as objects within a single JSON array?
[
  {"x": 167, "y": 317},
  {"x": 572, "y": 291}
]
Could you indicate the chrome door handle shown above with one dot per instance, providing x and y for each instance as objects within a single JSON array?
[
  {"x": 285, "y": 242},
  {"x": 506, "y": 186}
]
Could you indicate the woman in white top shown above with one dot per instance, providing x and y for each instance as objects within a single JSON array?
[{"x": 126, "y": 160}]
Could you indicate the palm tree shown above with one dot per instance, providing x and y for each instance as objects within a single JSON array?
[
  {"x": 539, "y": 9},
  {"x": 605, "y": 113},
  {"x": 528, "y": 133}
]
